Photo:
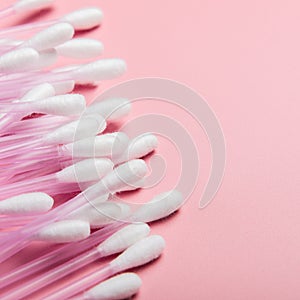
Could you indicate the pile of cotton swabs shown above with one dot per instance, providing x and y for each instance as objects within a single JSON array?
[{"x": 52, "y": 144}]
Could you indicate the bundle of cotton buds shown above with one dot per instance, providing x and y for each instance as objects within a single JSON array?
[{"x": 51, "y": 143}]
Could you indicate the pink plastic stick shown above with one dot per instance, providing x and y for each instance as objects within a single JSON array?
[
  {"x": 8, "y": 222},
  {"x": 58, "y": 256},
  {"x": 53, "y": 275},
  {"x": 83, "y": 283},
  {"x": 22, "y": 237},
  {"x": 26, "y": 27}
]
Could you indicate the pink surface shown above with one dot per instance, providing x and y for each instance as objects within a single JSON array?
[{"x": 243, "y": 57}]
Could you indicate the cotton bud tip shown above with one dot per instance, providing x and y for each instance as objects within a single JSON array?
[
  {"x": 39, "y": 92},
  {"x": 81, "y": 48},
  {"x": 85, "y": 170},
  {"x": 87, "y": 126},
  {"x": 125, "y": 174},
  {"x": 51, "y": 37},
  {"x": 139, "y": 147},
  {"x": 26, "y": 204},
  {"x": 63, "y": 87},
  {"x": 159, "y": 207},
  {"x": 142, "y": 252},
  {"x": 100, "y": 70},
  {"x": 122, "y": 286},
  {"x": 64, "y": 232},
  {"x": 18, "y": 60},
  {"x": 123, "y": 239},
  {"x": 106, "y": 145},
  {"x": 29, "y": 5},
  {"x": 84, "y": 19},
  {"x": 62, "y": 105}
]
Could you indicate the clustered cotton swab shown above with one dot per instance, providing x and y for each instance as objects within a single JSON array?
[{"x": 52, "y": 143}]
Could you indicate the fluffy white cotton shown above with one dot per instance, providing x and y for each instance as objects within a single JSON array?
[
  {"x": 84, "y": 19},
  {"x": 159, "y": 207},
  {"x": 81, "y": 48},
  {"x": 140, "y": 253},
  {"x": 64, "y": 232},
  {"x": 123, "y": 239},
  {"x": 119, "y": 287},
  {"x": 28, "y": 203},
  {"x": 85, "y": 170}
]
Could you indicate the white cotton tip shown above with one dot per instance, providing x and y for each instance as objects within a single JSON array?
[
  {"x": 159, "y": 207},
  {"x": 50, "y": 37},
  {"x": 61, "y": 105},
  {"x": 101, "y": 214},
  {"x": 105, "y": 145},
  {"x": 47, "y": 58},
  {"x": 18, "y": 60},
  {"x": 80, "y": 48},
  {"x": 111, "y": 109},
  {"x": 85, "y": 127},
  {"x": 125, "y": 174},
  {"x": 39, "y": 92},
  {"x": 140, "y": 253},
  {"x": 100, "y": 70},
  {"x": 123, "y": 238},
  {"x": 139, "y": 147},
  {"x": 119, "y": 287},
  {"x": 29, "y": 5},
  {"x": 85, "y": 170},
  {"x": 63, "y": 87},
  {"x": 84, "y": 19},
  {"x": 64, "y": 232},
  {"x": 26, "y": 204}
]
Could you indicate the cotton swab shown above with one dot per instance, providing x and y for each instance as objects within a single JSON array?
[
  {"x": 86, "y": 126},
  {"x": 111, "y": 183},
  {"x": 106, "y": 145},
  {"x": 24, "y": 6},
  {"x": 96, "y": 71},
  {"x": 61, "y": 105},
  {"x": 167, "y": 202},
  {"x": 116, "y": 243},
  {"x": 92, "y": 72},
  {"x": 63, "y": 232},
  {"x": 83, "y": 171},
  {"x": 30, "y": 203},
  {"x": 96, "y": 213},
  {"x": 82, "y": 19},
  {"x": 30, "y": 5},
  {"x": 142, "y": 252},
  {"x": 119, "y": 287}
]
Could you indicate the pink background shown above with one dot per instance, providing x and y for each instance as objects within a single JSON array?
[{"x": 243, "y": 57}]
